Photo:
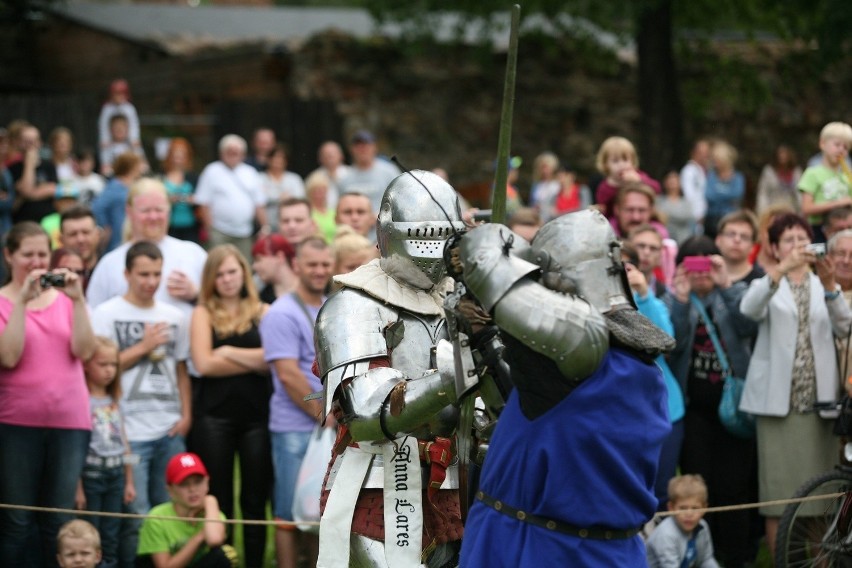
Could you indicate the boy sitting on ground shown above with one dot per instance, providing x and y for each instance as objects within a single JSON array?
[
  {"x": 683, "y": 540},
  {"x": 182, "y": 543}
]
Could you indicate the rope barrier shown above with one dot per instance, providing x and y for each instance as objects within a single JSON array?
[
  {"x": 280, "y": 523},
  {"x": 727, "y": 508},
  {"x": 276, "y": 523}
]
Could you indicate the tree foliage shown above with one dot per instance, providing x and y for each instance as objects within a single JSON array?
[{"x": 660, "y": 31}]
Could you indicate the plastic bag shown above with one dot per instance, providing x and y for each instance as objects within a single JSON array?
[{"x": 306, "y": 499}]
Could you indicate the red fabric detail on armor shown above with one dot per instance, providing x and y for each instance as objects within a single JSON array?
[
  {"x": 379, "y": 363},
  {"x": 441, "y": 512},
  {"x": 441, "y": 522},
  {"x": 315, "y": 368}
]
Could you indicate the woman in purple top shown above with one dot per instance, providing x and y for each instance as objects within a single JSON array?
[{"x": 44, "y": 418}]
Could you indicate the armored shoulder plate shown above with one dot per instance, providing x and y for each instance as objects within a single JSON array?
[
  {"x": 351, "y": 327},
  {"x": 493, "y": 260}
]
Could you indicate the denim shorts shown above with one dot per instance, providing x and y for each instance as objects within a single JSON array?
[{"x": 288, "y": 449}]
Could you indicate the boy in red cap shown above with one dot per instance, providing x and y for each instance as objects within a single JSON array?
[{"x": 182, "y": 543}]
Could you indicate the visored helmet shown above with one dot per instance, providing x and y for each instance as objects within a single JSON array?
[
  {"x": 583, "y": 249},
  {"x": 419, "y": 212}
]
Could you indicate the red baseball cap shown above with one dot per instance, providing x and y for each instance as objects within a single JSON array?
[{"x": 182, "y": 466}]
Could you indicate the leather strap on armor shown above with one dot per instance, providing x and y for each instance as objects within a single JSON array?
[
  {"x": 597, "y": 533},
  {"x": 438, "y": 455}
]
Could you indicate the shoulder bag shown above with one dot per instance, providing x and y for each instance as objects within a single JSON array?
[{"x": 735, "y": 421}]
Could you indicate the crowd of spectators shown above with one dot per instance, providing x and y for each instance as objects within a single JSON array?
[
  {"x": 207, "y": 285},
  {"x": 780, "y": 308}
]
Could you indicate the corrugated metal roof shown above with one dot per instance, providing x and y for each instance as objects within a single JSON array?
[
  {"x": 181, "y": 29},
  {"x": 176, "y": 28}
]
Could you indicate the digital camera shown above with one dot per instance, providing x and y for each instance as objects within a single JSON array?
[
  {"x": 817, "y": 248},
  {"x": 52, "y": 279}
]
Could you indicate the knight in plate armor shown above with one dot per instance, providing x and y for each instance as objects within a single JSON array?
[
  {"x": 391, "y": 494},
  {"x": 569, "y": 475}
]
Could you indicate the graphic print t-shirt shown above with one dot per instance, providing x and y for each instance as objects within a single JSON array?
[
  {"x": 106, "y": 438},
  {"x": 150, "y": 402},
  {"x": 704, "y": 385}
]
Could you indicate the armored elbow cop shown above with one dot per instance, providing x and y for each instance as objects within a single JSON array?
[
  {"x": 383, "y": 403},
  {"x": 563, "y": 294}
]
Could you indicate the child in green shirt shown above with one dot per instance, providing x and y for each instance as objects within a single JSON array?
[
  {"x": 179, "y": 543},
  {"x": 827, "y": 185}
]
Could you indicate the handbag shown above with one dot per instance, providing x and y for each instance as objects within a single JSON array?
[
  {"x": 306, "y": 498},
  {"x": 736, "y": 422}
]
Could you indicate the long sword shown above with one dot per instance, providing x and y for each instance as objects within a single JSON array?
[
  {"x": 498, "y": 200},
  {"x": 464, "y": 433}
]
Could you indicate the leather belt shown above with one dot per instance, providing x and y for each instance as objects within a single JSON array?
[{"x": 597, "y": 533}]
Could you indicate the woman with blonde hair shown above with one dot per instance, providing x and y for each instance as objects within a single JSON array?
[
  {"x": 618, "y": 161},
  {"x": 545, "y": 185},
  {"x": 316, "y": 187},
  {"x": 351, "y": 250},
  {"x": 231, "y": 393},
  {"x": 725, "y": 186}
]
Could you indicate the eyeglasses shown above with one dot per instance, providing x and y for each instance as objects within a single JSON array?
[{"x": 733, "y": 235}]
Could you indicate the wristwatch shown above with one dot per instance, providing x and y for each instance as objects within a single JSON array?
[{"x": 833, "y": 294}]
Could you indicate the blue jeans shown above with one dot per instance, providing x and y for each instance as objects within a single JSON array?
[
  {"x": 104, "y": 489},
  {"x": 38, "y": 466},
  {"x": 149, "y": 477},
  {"x": 288, "y": 450}
]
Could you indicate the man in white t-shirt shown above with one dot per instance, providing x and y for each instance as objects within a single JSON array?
[
  {"x": 230, "y": 197},
  {"x": 148, "y": 217},
  {"x": 153, "y": 342}
]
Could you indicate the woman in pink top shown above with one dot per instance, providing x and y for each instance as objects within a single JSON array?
[{"x": 44, "y": 415}]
